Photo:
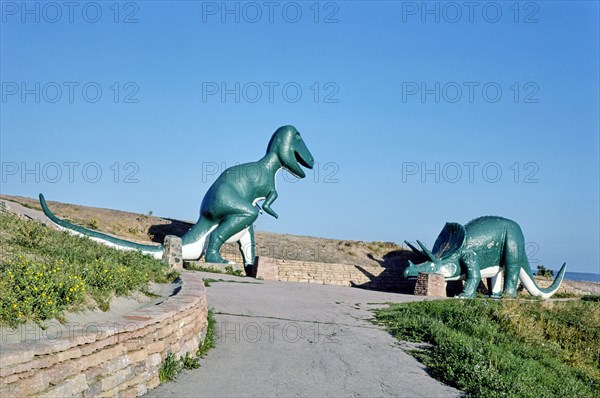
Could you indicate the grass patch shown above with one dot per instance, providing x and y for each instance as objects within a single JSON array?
[
  {"x": 565, "y": 295},
  {"x": 209, "y": 339},
  {"x": 201, "y": 268},
  {"x": 169, "y": 368},
  {"x": 189, "y": 362},
  {"x": 228, "y": 269},
  {"x": 505, "y": 348},
  {"x": 209, "y": 281},
  {"x": 595, "y": 298},
  {"x": 44, "y": 272}
]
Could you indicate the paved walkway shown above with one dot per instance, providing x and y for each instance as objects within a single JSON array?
[
  {"x": 25, "y": 211},
  {"x": 277, "y": 339}
]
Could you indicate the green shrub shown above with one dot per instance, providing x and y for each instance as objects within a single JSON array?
[
  {"x": 169, "y": 368},
  {"x": 189, "y": 362},
  {"x": 544, "y": 272},
  {"x": 591, "y": 297},
  {"x": 33, "y": 290},
  {"x": 44, "y": 272},
  {"x": 93, "y": 223},
  {"x": 236, "y": 272}
]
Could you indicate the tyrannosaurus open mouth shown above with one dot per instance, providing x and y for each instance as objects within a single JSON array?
[
  {"x": 308, "y": 163},
  {"x": 291, "y": 150},
  {"x": 300, "y": 160}
]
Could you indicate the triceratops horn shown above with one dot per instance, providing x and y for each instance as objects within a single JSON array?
[
  {"x": 426, "y": 251},
  {"x": 414, "y": 249}
]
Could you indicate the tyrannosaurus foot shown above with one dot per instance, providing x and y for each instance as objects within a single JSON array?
[{"x": 215, "y": 258}]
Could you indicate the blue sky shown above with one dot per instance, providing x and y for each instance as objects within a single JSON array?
[{"x": 416, "y": 113}]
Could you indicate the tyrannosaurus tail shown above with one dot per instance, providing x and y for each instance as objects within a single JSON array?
[
  {"x": 153, "y": 250},
  {"x": 527, "y": 278}
]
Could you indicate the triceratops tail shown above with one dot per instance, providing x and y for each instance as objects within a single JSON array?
[
  {"x": 153, "y": 250},
  {"x": 527, "y": 278}
]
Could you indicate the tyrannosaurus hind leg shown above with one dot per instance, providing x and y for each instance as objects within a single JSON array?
[{"x": 229, "y": 226}]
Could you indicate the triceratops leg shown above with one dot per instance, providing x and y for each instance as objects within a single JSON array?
[
  {"x": 514, "y": 255},
  {"x": 471, "y": 268},
  {"x": 497, "y": 284},
  {"x": 511, "y": 278}
]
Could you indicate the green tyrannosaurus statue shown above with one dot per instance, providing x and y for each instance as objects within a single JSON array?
[
  {"x": 486, "y": 247},
  {"x": 230, "y": 205}
]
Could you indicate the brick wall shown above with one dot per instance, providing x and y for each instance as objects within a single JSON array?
[
  {"x": 121, "y": 357},
  {"x": 429, "y": 284},
  {"x": 369, "y": 277}
]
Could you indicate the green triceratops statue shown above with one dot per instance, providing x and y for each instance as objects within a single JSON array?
[
  {"x": 487, "y": 247},
  {"x": 230, "y": 206}
]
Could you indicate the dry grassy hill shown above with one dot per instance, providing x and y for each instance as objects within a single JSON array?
[{"x": 148, "y": 228}]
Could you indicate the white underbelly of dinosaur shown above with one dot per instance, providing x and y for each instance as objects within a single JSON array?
[
  {"x": 490, "y": 272},
  {"x": 195, "y": 249},
  {"x": 486, "y": 273},
  {"x": 237, "y": 236}
]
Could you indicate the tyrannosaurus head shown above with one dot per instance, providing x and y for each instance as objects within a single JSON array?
[{"x": 291, "y": 150}]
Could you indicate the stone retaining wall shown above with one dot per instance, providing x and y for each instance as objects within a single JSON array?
[
  {"x": 377, "y": 278},
  {"x": 117, "y": 358}
]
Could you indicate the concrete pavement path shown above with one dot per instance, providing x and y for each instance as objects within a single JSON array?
[
  {"x": 32, "y": 214},
  {"x": 278, "y": 339}
]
